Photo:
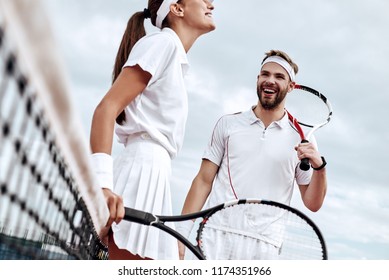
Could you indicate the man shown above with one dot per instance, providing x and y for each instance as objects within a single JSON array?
[{"x": 256, "y": 154}]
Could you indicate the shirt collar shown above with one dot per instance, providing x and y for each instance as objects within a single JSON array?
[
  {"x": 252, "y": 118},
  {"x": 180, "y": 47},
  {"x": 284, "y": 121}
]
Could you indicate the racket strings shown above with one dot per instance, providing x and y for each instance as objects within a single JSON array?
[
  {"x": 258, "y": 231},
  {"x": 310, "y": 108},
  {"x": 300, "y": 240}
]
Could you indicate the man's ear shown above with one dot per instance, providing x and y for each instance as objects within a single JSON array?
[{"x": 291, "y": 86}]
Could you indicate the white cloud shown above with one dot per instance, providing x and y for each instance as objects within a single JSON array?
[{"x": 341, "y": 48}]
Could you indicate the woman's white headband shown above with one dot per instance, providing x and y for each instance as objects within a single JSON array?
[
  {"x": 283, "y": 63},
  {"x": 164, "y": 10}
]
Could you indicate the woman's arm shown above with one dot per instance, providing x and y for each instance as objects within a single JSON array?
[{"x": 128, "y": 85}]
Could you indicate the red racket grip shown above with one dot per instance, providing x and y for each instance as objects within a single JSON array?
[{"x": 304, "y": 164}]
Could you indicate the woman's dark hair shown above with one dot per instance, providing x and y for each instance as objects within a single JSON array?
[{"x": 134, "y": 31}]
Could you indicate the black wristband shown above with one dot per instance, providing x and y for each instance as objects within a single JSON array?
[{"x": 321, "y": 166}]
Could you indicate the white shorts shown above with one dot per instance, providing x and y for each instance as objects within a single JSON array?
[
  {"x": 142, "y": 177},
  {"x": 226, "y": 246}
]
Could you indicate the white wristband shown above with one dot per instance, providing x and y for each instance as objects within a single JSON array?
[
  {"x": 185, "y": 227},
  {"x": 102, "y": 165}
]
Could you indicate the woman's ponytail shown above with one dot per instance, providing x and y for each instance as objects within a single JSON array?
[{"x": 134, "y": 31}]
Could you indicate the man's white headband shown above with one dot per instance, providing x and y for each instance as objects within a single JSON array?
[
  {"x": 164, "y": 10},
  {"x": 282, "y": 62}
]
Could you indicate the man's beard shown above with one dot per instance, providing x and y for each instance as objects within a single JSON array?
[{"x": 273, "y": 103}]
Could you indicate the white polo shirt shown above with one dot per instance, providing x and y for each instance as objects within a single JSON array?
[
  {"x": 254, "y": 161},
  {"x": 161, "y": 109}
]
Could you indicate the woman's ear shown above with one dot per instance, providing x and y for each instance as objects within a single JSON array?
[{"x": 177, "y": 10}]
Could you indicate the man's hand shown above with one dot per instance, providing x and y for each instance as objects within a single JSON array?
[
  {"x": 308, "y": 150},
  {"x": 181, "y": 250}
]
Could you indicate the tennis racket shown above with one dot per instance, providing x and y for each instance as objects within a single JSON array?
[
  {"x": 245, "y": 229},
  {"x": 314, "y": 111}
]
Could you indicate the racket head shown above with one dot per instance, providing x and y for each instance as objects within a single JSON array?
[
  {"x": 310, "y": 107},
  {"x": 260, "y": 229}
]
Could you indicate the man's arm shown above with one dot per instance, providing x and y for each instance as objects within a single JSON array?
[
  {"x": 200, "y": 188},
  {"x": 313, "y": 194},
  {"x": 197, "y": 195}
]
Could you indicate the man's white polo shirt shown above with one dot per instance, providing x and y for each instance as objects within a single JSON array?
[{"x": 254, "y": 161}]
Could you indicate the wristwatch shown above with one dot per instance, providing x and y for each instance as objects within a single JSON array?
[{"x": 321, "y": 166}]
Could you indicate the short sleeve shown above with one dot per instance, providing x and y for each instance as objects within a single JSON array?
[
  {"x": 152, "y": 53},
  {"x": 216, "y": 144}
]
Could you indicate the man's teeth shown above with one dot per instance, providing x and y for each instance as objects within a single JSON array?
[{"x": 268, "y": 90}]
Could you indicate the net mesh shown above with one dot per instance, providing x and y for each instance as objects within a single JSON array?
[{"x": 48, "y": 207}]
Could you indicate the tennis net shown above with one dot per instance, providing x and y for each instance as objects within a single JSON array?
[{"x": 49, "y": 208}]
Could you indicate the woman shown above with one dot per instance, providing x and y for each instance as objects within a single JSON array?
[{"x": 148, "y": 100}]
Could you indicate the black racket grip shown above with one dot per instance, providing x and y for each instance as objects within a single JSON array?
[
  {"x": 304, "y": 164},
  {"x": 138, "y": 216}
]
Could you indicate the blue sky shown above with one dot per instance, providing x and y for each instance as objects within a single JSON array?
[{"x": 342, "y": 49}]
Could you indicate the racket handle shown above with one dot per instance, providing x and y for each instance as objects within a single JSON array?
[{"x": 304, "y": 164}]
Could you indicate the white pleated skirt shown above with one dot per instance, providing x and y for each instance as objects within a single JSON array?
[{"x": 142, "y": 177}]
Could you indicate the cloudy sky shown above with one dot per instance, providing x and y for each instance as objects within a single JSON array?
[{"x": 342, "y": 49}]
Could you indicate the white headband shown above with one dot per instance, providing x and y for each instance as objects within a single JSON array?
[
  {"x": 282, "y": 62},
  {"x": 164, "y": 10}
]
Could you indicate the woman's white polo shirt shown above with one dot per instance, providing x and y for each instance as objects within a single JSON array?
[{"x": 161, "y": 109}]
